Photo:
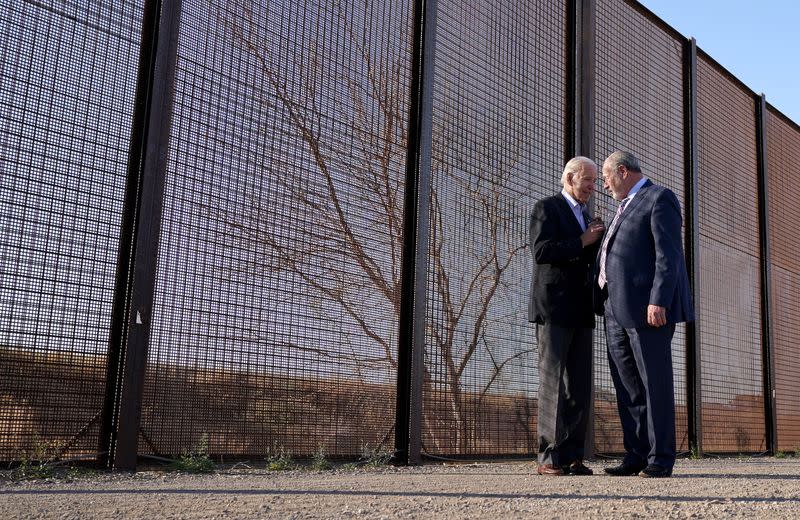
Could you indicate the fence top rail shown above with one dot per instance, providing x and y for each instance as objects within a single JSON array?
[
  {"x": 776, "y": 112},
  {"x": 728, "y": 74},
  {"x": 650, "y": 15}
]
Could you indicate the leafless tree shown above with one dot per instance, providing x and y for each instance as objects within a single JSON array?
[{"x": 350, "y": 260}]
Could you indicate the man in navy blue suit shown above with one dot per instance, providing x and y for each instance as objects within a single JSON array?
[
  {"x": 643, "y": 287},
  {"x": 564, "y": 242}
]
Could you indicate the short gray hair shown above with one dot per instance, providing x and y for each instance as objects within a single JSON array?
[
  {"x": 575, "y": 165},
  {"x": 626, "y": 159}
]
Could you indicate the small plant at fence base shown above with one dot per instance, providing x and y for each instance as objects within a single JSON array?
[
  {"x": 196, "y": 460},
  {"x": 695, "y": 452},
  {"x": 374, "y": 457},
  {"x": 780, "y": 454},
  {"x": 280, "y": 460},
  {"x": 38, "y": 462},
  {"x": 320, "y": 461}
]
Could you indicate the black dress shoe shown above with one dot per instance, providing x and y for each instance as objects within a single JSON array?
[
  {"x": 655, "y": 471},
  {"x": 577, "y": 468},
  {"x": 625, "y": 470}
]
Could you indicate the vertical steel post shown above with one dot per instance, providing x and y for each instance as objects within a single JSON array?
[
  {"x": 692, "y": 244},
  {"x": 570, "y": 81},
  {"x": 585, "y": 77},
  {"x": 141, "y": 224},
  {"x": 119, "y": 308},
  {"x": 767, "y": 357},
  {"x": 580, "y": 115},
  {"x": 411, "y": 334}
]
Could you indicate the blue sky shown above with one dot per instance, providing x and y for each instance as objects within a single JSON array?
[{"x": 756, "y": 41}]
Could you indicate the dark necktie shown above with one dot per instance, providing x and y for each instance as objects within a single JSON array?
[{"x": 586, "y": 217}]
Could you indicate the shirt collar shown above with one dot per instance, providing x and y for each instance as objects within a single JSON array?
[
  {"x": 636, "y": 187},
  {"x": 572, "y": 202}
]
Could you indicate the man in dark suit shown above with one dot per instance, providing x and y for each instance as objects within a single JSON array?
[
  {"x": 564, "y": 241},
  {"x": 642, "y": 280}
]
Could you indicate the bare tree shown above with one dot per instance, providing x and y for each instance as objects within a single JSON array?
[{"x": 350, "y": 261}]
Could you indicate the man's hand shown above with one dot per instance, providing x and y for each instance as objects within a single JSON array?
[
  {"x": 656, "y": 315},
  {"x": 593, "y": 232}
]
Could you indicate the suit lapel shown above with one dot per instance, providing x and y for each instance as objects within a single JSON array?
[
  {"x": 632, "y": 205},
  {"x": 568, "y": 215}
]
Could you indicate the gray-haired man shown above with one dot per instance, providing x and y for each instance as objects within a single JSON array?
[{"x": 564, "y": 240}]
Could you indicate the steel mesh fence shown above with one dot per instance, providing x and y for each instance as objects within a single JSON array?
[
  {"x": 278, "y": 276},
  {"x": 278, "y": 284},
  {"x": 729, "y": 299},
  {"x": 643, "y": 114},
  {"x": 497, "y": 146},
  {"x": 783, "y": 150},
  {"x": 67, "y": 81}
]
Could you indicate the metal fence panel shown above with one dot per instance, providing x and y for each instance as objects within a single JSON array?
[
  {"x": 277, "y": 292},
  {"x": 278, "y": 287},
  {"x": 783, "y": 151},
  {"x": 729, "y": 306},
  {"x": 67, "y": 84},
  {"x": 498, "y": 125},
  {"x": 639, "y": 108}
]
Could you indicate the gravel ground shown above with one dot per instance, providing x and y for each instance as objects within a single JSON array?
[{"x": 709, "y": 488}]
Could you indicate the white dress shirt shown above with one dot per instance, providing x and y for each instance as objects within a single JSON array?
[{"x": 577, "y": 208}]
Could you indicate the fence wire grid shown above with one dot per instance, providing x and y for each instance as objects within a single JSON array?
[{"x": 279, "y": 274}]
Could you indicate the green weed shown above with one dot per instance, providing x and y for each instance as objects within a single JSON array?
[
  {"x": 320, "y": 461},
  {"x": 281, "y": 460},
  {"x": 695, "y": 453},
  {"x": 374, "y": 457},
  {"x": 197, "y": 459},
  {"x": 38, "y": 462}
]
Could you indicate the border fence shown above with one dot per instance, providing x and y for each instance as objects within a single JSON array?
[{"x": 302, "y": 226}]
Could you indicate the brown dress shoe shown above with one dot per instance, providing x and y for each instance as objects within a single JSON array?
[
  {"x": 578, "y": 468},
  {"x": 655, "y": 471},
  {"x": 550, "y": 470}
]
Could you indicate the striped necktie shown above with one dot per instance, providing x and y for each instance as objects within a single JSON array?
[{"x": 601, "y": 277}]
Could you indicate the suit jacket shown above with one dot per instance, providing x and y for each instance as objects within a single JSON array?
[
  {"x": 644, "y": 261},
  {"x": 561, "y": 290}
]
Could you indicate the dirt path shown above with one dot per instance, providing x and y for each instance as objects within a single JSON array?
[{"x": 711, "y": 488}]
